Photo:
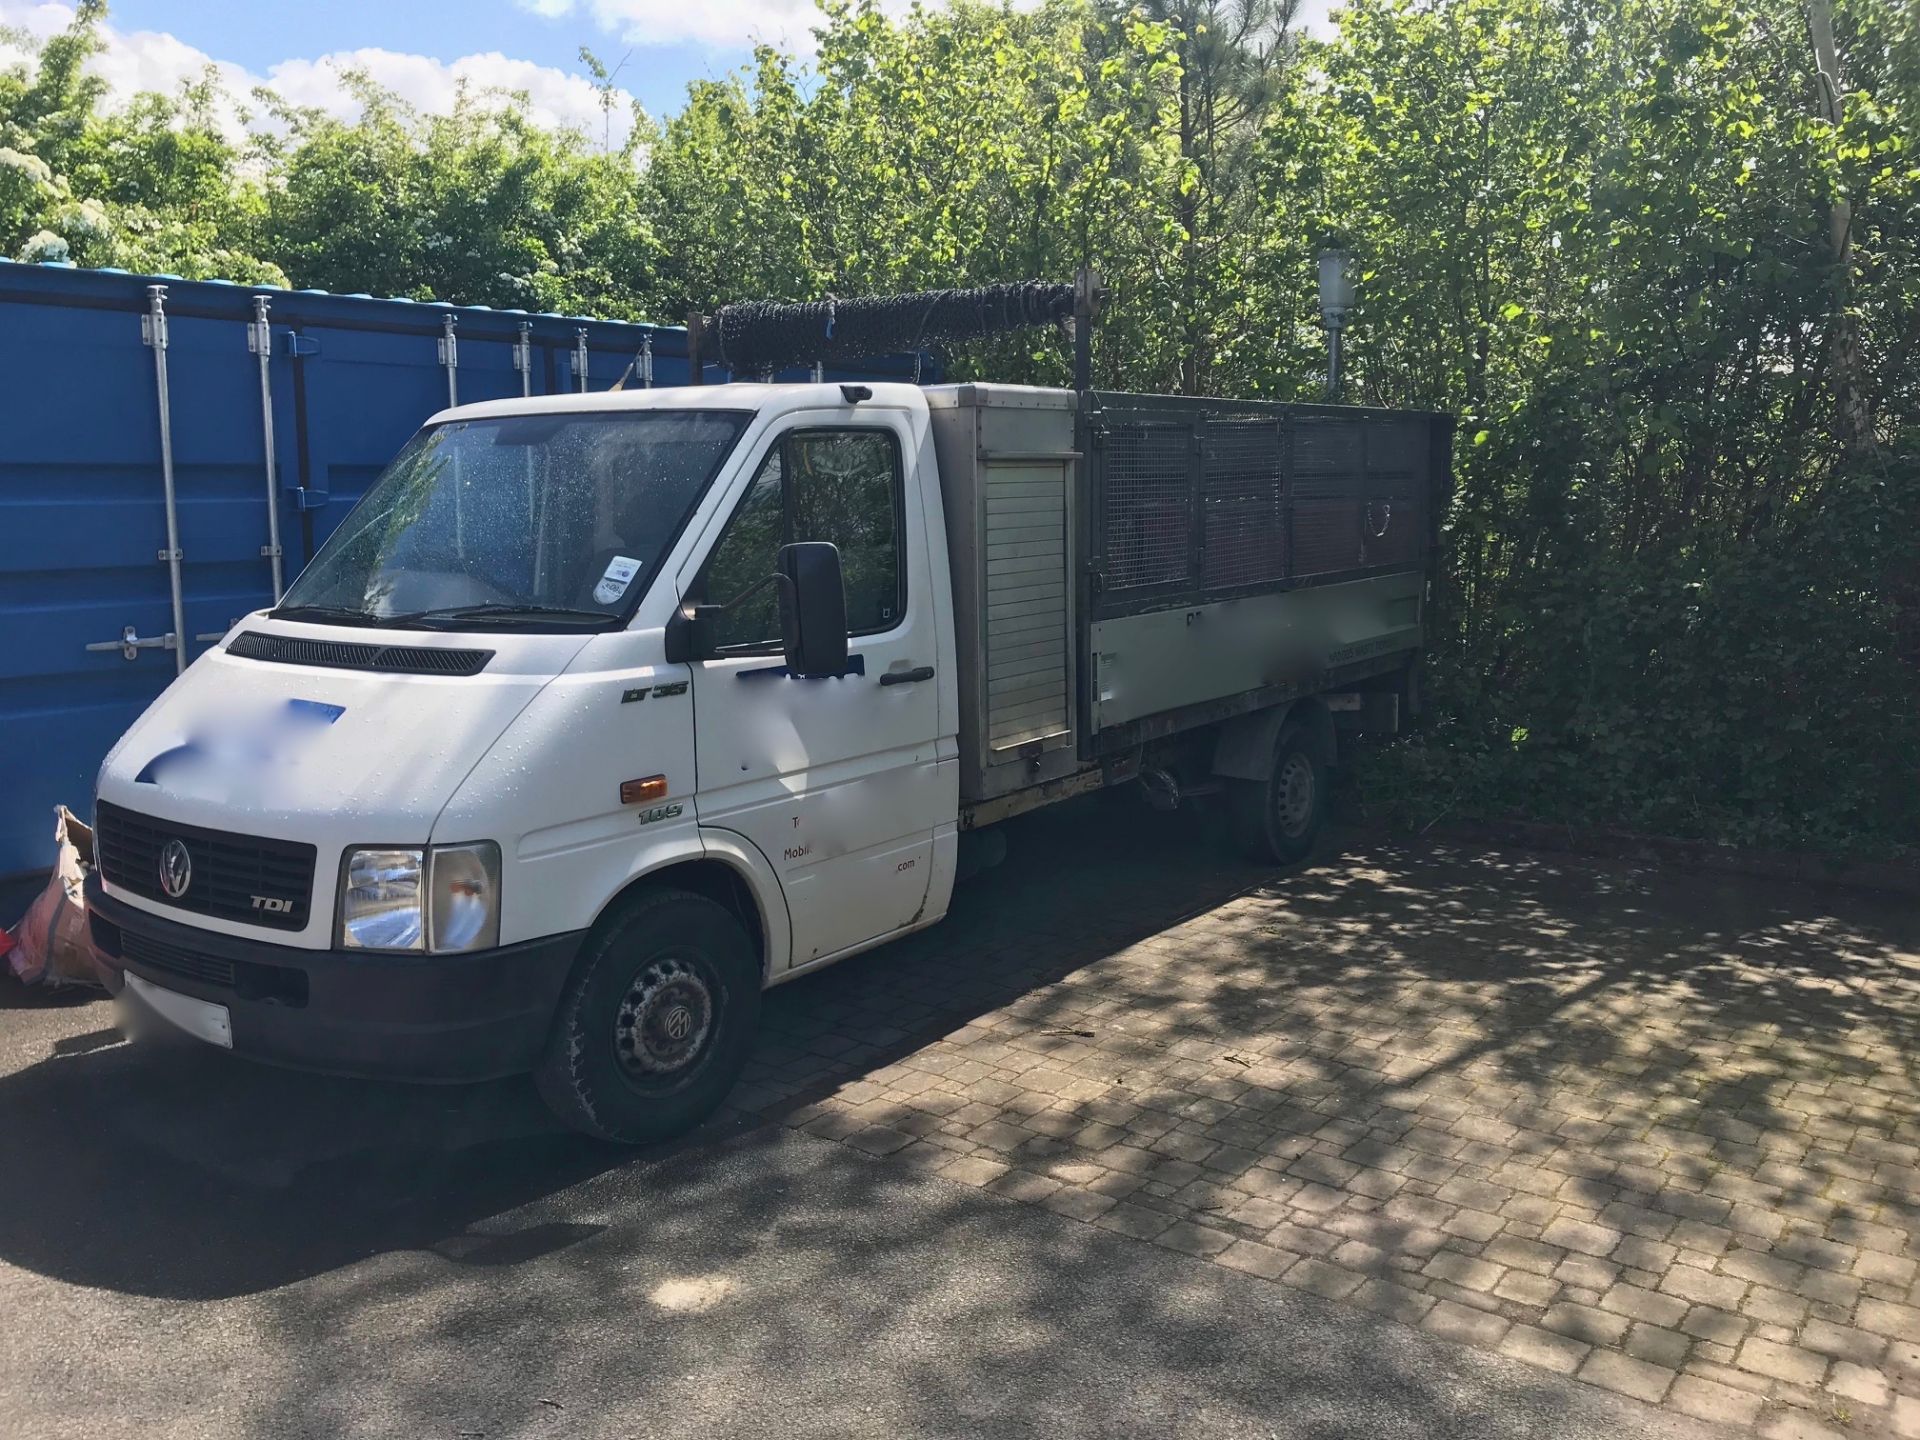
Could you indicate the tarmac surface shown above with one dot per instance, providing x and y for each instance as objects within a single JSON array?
[{"x": 190, "y": 1248}]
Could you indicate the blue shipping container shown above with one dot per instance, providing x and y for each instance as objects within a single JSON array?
[{"x": 86, "y": 599}]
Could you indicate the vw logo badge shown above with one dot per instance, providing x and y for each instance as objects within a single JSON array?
[
  {"x": 176, "y": 869},
  {"x": 679, "y": 1023}
]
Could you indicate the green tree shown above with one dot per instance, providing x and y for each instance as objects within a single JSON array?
[{"x": 479, "y": 206}]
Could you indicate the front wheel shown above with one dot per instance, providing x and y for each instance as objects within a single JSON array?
[
  {"x": 656, "y": 1023},
  {"x": 1277, "y": 819}
]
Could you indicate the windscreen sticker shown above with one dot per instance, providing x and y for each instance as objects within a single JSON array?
[{"x": 620, "y": 572}]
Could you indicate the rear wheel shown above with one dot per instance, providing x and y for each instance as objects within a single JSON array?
[
  {"x": 656, "y": 1023},
  {"x": 1277, "y": 819}
]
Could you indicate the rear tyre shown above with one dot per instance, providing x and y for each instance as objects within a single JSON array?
[
  {"x": 1276, "y": 820},
  {"x": 655, "y": 1024}
]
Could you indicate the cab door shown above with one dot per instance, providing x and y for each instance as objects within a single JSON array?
[{"x": 836, "y": 781}]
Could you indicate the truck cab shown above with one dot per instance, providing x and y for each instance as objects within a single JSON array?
[{"x": 373, "y": 830}]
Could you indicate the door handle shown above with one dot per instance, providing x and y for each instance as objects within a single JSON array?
[{"x": 907, "y": 677}]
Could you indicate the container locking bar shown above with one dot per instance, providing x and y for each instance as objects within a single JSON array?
[
  {"x": 260, "y": 342},
  {"x": 450, "y": 357},
  {"x": 153, "y": 332},
  {"x": 523, "y": 357}
]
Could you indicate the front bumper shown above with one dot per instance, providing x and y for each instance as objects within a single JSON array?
[{"x": 475, "y": 1016}]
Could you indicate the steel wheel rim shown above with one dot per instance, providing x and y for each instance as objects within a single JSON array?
[
  {"x": 664, "y": 1024},
  {"x": 1293, "y": 795}
]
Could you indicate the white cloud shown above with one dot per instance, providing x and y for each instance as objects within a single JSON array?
[
  {"x": 553, "y": 96},
  {"x": 719, "y": 24},
  {"x": 735, "y": 24},
  {"x": 136, "y": 60}
]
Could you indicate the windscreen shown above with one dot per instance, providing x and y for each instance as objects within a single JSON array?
[{"x": 556, "y": 516}]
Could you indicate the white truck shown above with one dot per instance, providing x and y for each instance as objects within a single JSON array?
[{"x": 603, "y": 713}]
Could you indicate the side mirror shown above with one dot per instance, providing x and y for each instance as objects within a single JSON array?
[
  {"x": 813, "y": 610},
  {"x": 686, "y": 637}
]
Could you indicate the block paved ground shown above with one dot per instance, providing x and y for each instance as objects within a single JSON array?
[{"x": 1655, "y": 1131}]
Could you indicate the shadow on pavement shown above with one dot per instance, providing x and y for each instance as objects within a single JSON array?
[
  {"x": 171, "y": 1170},
  {"x": 775, "y": 1285}
]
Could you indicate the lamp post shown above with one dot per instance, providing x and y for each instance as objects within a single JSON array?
[{"x": 1337, "y": 299}]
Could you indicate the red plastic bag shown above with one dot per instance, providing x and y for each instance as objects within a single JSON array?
[{"x": 52, "y": 944}]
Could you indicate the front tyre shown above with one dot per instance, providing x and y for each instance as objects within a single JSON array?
[
  {"x": 1277, "y": 819},
  {"x": 655, "y": 1024}
]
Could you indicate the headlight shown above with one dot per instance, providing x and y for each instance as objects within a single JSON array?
[
  {"x": 445, "y": 898},
  {"x": 380, "y": 901}
]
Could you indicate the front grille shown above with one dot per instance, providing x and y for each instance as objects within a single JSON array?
[
  {"x": 347, "y": 655},
  {"x": 229, "y": 872},
  {"x": 158, "y": 955}
]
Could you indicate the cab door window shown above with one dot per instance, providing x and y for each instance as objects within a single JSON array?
[{"x": 841, "y": 486}]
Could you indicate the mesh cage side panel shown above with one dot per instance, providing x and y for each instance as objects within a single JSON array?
[
  {"x": 1243, "y": 502},
  {"x": 1278, "y": 493},
  {"x": 1147, "y": 507},
  {"x": 1329, "y": 474},
  {"x": 1394, "y": 503}
]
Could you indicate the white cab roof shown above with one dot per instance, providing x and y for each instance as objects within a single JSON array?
[{"x": 891, "y": 395}]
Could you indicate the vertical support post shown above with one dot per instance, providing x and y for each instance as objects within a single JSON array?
[
  {"x": 1197, "y": 507},
  {"x": 523, "y": 357},
  {"x": 450, "y": 357},
  {"x": 1335, "y": 356},
  {"x": 153, "y": 327},
  {"x": 646, "y": 361},
  {"x": 1086, "y": 305},
  {"x": 696, "y": 347},
  {"x": 260, "y": 341},
  {"x": 523, "y": 362},
  {"x": 580, "y": 358},
  {"x": 819, "y": 372}
]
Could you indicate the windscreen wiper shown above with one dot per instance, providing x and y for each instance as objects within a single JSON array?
[
  {"x": 509, "y": 613},
  {"x": 346, "y": 613}
]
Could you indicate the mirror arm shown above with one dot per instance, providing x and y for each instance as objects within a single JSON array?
[
  {"x": 680, "y": 629},
  {"x": 744, "y": 596}
]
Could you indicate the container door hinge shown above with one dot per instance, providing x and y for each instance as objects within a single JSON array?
[
  {"x": 300, "y": 345},
  {"x": 153, "y": 330},
  {"x": 307, "y": 498},
  {"x": 132, "y": 642}
]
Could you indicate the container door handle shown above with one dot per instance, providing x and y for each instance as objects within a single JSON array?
[
  {"x": 907, "y": 677},
  {"x": 132, "y": 642}
]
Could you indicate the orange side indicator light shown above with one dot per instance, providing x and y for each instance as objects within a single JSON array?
[{"x": 638, "y": 792}]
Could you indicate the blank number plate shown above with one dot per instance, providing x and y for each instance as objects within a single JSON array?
[{"x": 200, "y": 1018}]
